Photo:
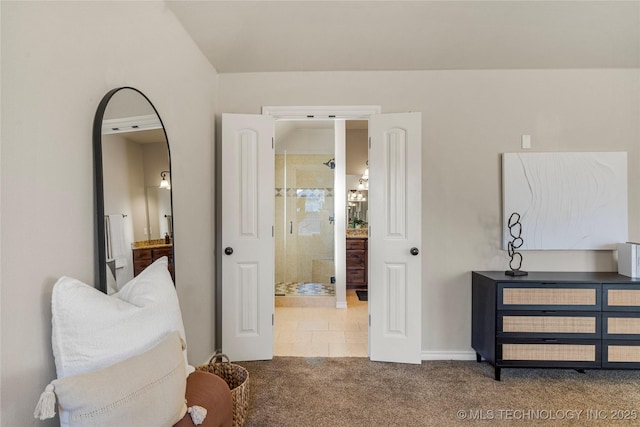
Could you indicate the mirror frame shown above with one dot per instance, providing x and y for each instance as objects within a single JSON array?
[{"x": 100, "y": 255}]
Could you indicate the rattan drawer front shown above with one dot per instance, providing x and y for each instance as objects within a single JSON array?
[
  {"x": 623, "y": 353},
  {"x": 549, "y": 352},
  {"x": 623, "y": 298},
  {"x": 549, "y": 296},
  {"x": 550, "y": 324},
  {"x": 622, "y": 325}
]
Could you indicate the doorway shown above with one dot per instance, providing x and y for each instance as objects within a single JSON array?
[
  {"x": 247, "y": 230},
  {"x": 308, "y": 321}
]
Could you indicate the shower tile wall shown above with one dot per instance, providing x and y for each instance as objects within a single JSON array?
[{"x": 309, "y": 193}]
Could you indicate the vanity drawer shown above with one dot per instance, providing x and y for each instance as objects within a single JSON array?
[
  {"x": 355, "y": 276},
  {"x": 549, "y": 324},
  {"x": 160, "y": 252},
  {"x": 356, "y": 259},
  {"x": 621, "y": 325},
  {"x": 549, "y": 296},
  {"x": 576, "y": 353},
  {"x": 619, "y": 354},
  {"x": 621, "y": 297},
  {"x": 139, "y": 266},
  {"x": 356, "y": 244},
  {"x": 141, "y": 254}
]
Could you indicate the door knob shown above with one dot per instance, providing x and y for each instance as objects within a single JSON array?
[
  {"x": 414, "y": 251},
  {"x": 228, "y": 250}
]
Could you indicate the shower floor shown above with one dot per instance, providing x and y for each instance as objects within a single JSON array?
[{"x": 304, "y": 289}]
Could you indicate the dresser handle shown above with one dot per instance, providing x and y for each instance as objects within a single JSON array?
[{"x": 550, "y": 340}]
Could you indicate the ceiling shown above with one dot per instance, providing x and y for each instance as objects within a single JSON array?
[{"x": 261, "y": 36}]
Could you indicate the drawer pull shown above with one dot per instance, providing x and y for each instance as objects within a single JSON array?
[{"x": 550, "y": 340}]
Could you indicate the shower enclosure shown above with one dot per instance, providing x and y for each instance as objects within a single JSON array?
[{"x": 304, "y": 230}]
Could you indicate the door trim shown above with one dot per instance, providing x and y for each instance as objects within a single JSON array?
[
  {"x": 336, "y": 113},
  {"x": 350, "y": 112}
]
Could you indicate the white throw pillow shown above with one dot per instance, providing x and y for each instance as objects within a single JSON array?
[
  {"x": 92, "y": 330},
  {"x": 145, "y": 390}
]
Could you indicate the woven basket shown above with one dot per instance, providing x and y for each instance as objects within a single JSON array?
[{"x": 237, "y": 378}]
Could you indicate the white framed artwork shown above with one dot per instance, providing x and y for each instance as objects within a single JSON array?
[{"x": 573, "y": 201}]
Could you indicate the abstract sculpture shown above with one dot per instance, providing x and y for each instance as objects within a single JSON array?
[{"x": 515, "y": 230}]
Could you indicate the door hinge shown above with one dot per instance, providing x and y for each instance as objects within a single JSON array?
[
  {"x": 369, "y": 320},
  {"x": 273, "y": 319},
  {"x": 273, "y": 142},
  {"x": 369, "y": 142},
  {"x": 273, "y": 232}
]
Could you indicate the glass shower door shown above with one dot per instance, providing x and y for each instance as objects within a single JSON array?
[{"x": 304, "y": 225}]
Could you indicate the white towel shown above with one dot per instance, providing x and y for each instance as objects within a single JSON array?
[{"x": 116, "y": 237}]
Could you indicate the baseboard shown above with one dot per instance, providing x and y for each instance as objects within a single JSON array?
[
  {"x": 448, "y": 355},
  {"x": 341, "y": 304}
]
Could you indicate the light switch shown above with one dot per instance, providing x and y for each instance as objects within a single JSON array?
[{"x": 526, "y": 141}]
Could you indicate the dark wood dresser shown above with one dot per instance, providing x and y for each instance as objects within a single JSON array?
[
  {"x": 357, "y": 262},
  {"x": 556, "y": 320}
]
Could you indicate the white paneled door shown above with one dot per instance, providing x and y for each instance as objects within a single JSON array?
[
  {"x": 247, "y": 236},
  {"x": 395, "y": 237}
]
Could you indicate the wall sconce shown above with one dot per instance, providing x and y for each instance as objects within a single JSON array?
[
  {"x": 165, "y": 183},
  {"x": 364, "y": 181},
  {"x": 356, "y": 196}
]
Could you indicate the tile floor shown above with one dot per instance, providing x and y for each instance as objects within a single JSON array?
[
  {"x": 322, "y": 331},
  {"x": 302, "y": 289}
]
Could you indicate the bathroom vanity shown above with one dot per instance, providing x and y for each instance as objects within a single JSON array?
[
  {"x": 357, "y": 254},
  {"x": 146, "y": 252}
]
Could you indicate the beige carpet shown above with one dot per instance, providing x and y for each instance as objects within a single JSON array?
[{"x": 290, "y": 391}]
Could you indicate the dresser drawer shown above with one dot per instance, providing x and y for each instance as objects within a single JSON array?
[
  {"x": 549, "y": 324},
  {"x": 621, "y": 325},
  {"x": 621, "y": 297},
  {"x": 549, "y": 352},
  {"x": 549, "y": 296},
  {"x": 621, "y": 354}
]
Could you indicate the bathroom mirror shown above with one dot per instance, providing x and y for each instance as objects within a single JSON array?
[{"x": 134, "y": 216}]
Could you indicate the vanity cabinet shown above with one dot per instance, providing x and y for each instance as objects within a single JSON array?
[
  {"x": 146, "y": 255},
  {"x": 357, "y": 262},
  {"x": 556, "y": 320}
]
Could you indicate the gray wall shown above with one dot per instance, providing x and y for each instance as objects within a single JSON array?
[
  {"x": 469, "y": 119},
  {"x": 58, "y": 60}
]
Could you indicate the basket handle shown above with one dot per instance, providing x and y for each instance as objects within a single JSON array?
[{"x": 219, "y": 356}]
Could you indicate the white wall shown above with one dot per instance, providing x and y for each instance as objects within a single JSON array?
[
  {"x": 469, "y": 119},
  {"x": 357, "y": 151},
  {"x": 58, "y": 60}
]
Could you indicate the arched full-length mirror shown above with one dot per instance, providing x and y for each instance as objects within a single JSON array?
[{"x": 132, "y": 165}]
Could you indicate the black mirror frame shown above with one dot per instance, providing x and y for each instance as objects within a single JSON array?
[{"x": 100, "y": 255}]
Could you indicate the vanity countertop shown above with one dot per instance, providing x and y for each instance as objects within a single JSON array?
[
  {"x": 148, "y": 244},
  {"x": 357, "y": 233}
]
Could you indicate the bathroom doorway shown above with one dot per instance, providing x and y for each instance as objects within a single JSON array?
[
  {"x": 307, "y": 320},
  {"x": 247, "y": 230},
  {"x": 304, "y": 213}
]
